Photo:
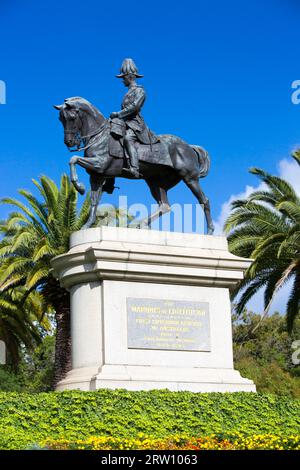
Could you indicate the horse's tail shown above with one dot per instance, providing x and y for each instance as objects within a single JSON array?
[{"x": 203, "y": 159}]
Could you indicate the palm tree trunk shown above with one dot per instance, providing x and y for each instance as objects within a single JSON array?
[
  {"x": 62, "y": 361},
  {"x": 59, "y": 298}
]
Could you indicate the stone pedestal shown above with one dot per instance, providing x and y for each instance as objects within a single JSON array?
[{"x": 150, "y": 310}]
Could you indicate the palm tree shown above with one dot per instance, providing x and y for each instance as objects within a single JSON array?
[
  {"x": 33, "y": 234},
  {"x": 266, "y": 228},
  {"x": 21, "y": 319}
]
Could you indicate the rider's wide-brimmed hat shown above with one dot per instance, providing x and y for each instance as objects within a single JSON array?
[{"x": 128, "y": 67}]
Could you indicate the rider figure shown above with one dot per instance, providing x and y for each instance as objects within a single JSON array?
[{"x": 136, "y": 128}]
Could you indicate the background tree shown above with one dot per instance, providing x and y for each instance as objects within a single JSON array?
[
  {"x": 266, "y": 228},
  {"x": 33, "y": 234},
  {"x": 21, "y": 322},
  {"x": 264, "y": 354}
]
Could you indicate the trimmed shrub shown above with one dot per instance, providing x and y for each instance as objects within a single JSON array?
[{"x": 27, "y": 419}]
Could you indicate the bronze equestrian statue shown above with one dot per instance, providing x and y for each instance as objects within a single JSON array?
[
  {"x": 136, "y": 129},
  {"x": 124, "y": 146}
]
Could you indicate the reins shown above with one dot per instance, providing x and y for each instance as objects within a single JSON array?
[{"x": 94, "y": 134}]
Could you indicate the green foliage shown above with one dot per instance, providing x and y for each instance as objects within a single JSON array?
[
  {"x": 38, "y": 229},
  {"x": 22, "y": 321},
  {"x": 270, "y": 378},
  {"x": 27, "y": 419},
  {"x": 266, "y": 341},
  {"x": 266, "y": 227},
  {"x": 9, "y": 380},
  {"x": 263, "y": 353},
  {"x": 35, "y": 371}
]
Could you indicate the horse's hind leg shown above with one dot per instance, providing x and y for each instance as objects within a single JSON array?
[
  {"x": 160, "y": 195},
  {"x": 202, "y": 199},
  {"x": 97, "y": 182}
]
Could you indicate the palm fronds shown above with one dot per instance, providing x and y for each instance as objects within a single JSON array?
[{"x": 266, "y": 228}]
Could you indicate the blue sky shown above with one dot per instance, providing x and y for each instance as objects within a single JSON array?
[{"x": 217, "y": 74}]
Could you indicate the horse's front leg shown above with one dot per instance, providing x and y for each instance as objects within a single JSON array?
[
  {"x": 97, "y": 182},
  {"x": 74, "y": 178}
]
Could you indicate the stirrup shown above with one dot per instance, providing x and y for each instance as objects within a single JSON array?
[{"x": 132, "y": 171}]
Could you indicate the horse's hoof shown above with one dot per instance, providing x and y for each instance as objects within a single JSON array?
[
  {"x": 210, "y": 230},
  {"x": 90, "y": 222},
  {"x": 132, "y": 225},
  {"x": 143, "y": 226},
  {"x": 81, "y": 188}
]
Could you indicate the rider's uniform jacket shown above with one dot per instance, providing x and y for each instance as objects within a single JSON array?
[{"x": 131, "y": 106}]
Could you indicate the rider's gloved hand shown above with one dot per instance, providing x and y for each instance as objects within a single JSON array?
[{"x": 114, "y": 115}]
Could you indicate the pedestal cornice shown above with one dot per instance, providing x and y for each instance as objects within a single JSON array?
[{"x": 114, "y": 253}]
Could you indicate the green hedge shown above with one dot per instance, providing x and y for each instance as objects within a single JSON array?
[{"x": 26, "y": 419}]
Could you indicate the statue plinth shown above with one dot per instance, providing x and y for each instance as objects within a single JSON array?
[{"x": 150, "y": 310}]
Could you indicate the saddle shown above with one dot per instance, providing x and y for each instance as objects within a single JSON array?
[{"x": 156, "y": 153}]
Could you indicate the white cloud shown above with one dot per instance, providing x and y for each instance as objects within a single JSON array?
[
  {"x": 290, "y": 171},
  {"x": 226, "y": 207}
]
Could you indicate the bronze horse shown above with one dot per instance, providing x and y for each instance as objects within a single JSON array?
[{"x": 84, "y": 124}]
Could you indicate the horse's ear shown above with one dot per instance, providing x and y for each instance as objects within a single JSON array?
[{"x": 58, "y": 106}]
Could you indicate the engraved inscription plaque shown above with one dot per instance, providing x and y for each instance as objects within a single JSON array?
[{"x": 168, "y": 324}]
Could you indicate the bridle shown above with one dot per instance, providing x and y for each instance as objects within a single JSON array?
[{"x": 84, "y": 137}]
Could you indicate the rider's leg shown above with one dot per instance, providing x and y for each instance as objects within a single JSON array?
[{"x": 129, "y": 141}]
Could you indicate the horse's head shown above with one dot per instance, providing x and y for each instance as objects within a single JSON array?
[{"x": 79, "y": 118}]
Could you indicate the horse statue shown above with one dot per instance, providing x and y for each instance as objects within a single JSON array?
[{"x": 162, "y": 165}]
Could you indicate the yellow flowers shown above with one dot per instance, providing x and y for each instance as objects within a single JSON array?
[{"x": 235, "y": 441}]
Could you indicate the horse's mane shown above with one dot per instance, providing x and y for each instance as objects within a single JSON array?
[{"x": 86, "y": 106}]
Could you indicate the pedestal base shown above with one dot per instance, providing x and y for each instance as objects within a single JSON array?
[
  {"x": 151, "y": 378},
  {"x": 150, "y": 310}
]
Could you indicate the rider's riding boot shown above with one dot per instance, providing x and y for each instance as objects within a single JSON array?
[{"x": 133, "y": 160}]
